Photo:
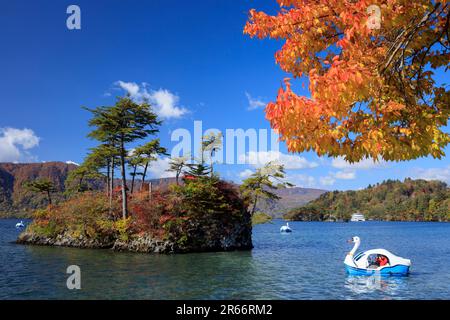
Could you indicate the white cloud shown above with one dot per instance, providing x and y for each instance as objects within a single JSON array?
[
  {"x": 158, "y": 169},
  {"x": 345, "y": 175},
  {"x": 71, "y": 162},
  {"x": 327, "y": 181},
  {"x": 331, "y": 178},
  {"x": 301, "y": 180},
  {"x": 442, "y": 174},
  {"x": 132, "y": 88},
  {"x": 340, "y": 163},
  {"x": 290, "y": 162},
  {"x": 245, "y": 174},
  {"x": 14, "y": 143},
  {"x": 164, "y": 102},
  {"x": 254, "y": 103},
  {"x": 348, "y": 170}
]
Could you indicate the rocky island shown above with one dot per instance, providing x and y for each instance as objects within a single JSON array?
[
  {"x": 196, "y": 212},
  {"x": 204, "y": 214}
]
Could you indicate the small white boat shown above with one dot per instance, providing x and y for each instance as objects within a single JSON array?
[
  {"x": 285, "y": 228},
  {"x": 375, "y": 261},
  {"x": 357, "y": 217},
  {"x": 20, "y": 225}
]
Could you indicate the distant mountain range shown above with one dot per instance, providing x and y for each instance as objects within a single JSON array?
[
  {"x": 15, "y": 200},
  {"x": 290, "y": 198}
]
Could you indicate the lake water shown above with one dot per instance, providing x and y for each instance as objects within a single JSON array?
[{"x": 306, "y": 264}]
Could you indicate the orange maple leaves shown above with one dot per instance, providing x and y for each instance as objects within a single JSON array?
[{"x": 373, "y": 92}]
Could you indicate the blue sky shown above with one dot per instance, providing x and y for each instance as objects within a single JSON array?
[{"x": 190, "y": 58}]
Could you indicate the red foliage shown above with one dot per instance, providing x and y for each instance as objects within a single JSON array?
[
  {"x": 117, "y": 189},
  {"x": 149, "y": 213}
]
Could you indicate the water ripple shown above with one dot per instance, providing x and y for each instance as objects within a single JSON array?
[{"x": 307, "y": 264}]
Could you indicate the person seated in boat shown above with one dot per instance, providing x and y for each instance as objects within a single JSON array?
[
  {"x": 382, "y": 260},
  {"x": 373, "y": 261}
]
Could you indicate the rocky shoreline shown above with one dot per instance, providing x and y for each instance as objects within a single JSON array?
[
  {"x": 144, "y": 244},
  {"x": 208, "y": 233},
  {"x": 201, "y": 239}
]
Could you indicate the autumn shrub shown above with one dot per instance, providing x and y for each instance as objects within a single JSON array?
[
  {"x": 202, "y": 203},
  {"x": 150, "y": 212},
  {"x": 45, "y": 227},
  {"x": 86, "y": 214},
  {"x": 122, "y": 227},
  {"x": 205, "y": 196},
  {"x": 164, "y": 213}
]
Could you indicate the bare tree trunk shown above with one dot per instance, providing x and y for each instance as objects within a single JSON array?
[
  {"x": 132, "y": 179},
  {"x": 111, "y": 186},
  {"x": 124, "y": 180},
  {"x": 143, "y": 175},
  {"x": 107, "y": 177},
  {"x": 80, "y": 183},
  {"x": 49, "y": 197},
  {"x": 150, "y": 191},
  {"x": 113, "y": 165},
  {"x": 254, "y": 205},
  {"x": 211, "y": 158}
]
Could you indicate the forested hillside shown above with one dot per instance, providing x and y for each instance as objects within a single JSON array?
[
  {"x": 289, "y": 198},
  {"x": 410, "y": 200},
  {"x": 15, "y": 199}
]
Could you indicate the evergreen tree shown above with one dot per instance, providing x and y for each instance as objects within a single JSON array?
[
  {"x": 177, "y": 165},
  {"x": 41, "y": 185},
  {"x": 211, "y": 144},
  {"x": 122, "y": 124},
  {"x": 262, "y": 183},
  {"x": 148, "y": 153},
  {"x": 198, "y": 170}
]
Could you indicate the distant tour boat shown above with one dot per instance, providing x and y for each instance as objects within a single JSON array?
[
  {"x": 356, "y": 217},
  {"x": 285, "y": 228},
  {"x": 375, "y": 261}
]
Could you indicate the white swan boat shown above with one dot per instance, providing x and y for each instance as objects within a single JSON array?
[
  {"x": 20, "y": 224},
  {"x": 285, "y": 228},
  {"x": 375, "y": 261}
]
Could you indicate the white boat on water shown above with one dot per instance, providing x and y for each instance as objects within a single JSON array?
[
  {"x": 20, "y": 225},
  {"x": 356, "y": 217},
  {"x": 375, "y": 261},
  {"x": 286, "y": 228}
]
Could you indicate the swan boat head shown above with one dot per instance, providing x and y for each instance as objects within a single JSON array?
[{"x": 375, "y": 261}]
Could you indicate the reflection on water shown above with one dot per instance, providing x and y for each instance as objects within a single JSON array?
[
  {"x": 306, "y": 264},
  {"x": 376, "y": 283}
]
